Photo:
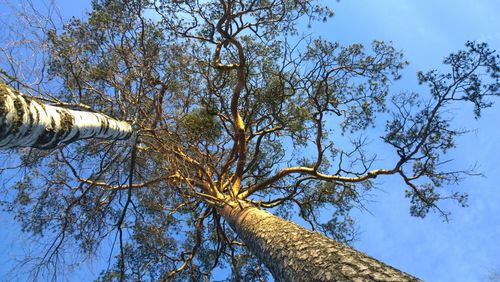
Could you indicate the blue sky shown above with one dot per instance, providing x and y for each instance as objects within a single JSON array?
[{"x": 466, "y": 248}]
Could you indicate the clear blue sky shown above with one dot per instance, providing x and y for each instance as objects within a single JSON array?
[{"x": 468, "y": 247}]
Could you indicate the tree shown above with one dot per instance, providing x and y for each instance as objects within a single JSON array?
[
  {"x": 234, "y": 113},
  {"x": 27, "y": 122}
]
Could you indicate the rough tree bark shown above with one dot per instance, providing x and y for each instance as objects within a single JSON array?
[
  {"x": 27, "y": 122},
  {"x": 293, "y": 253}
]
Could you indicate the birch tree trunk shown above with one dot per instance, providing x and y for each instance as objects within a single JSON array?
[
  {"x": 293, "y": 253},
  {"x": 27, "y": 122}
]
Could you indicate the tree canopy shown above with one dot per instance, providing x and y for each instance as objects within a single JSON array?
[{"x": 229, "y": 102}]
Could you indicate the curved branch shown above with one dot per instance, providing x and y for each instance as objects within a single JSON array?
[{"x": 311, "y": 171}]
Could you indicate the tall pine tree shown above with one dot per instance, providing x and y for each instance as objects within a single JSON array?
[{"x": 221, "y": 111}]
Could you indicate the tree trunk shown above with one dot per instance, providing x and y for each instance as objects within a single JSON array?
[
  {"x": 26, "y": 122},
  {"x": 293, "y": 253}
]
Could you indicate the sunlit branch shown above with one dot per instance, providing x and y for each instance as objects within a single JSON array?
[{"x": 311, "y": 171}]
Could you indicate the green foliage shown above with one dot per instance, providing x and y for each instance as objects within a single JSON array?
[
  {"x": 421, "y": 131},
  {"x": 153, "y": 63},
  {"x": 198, "y": 125}
]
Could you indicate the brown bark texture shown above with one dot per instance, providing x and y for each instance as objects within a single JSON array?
[{"x": 293, "y": 253}]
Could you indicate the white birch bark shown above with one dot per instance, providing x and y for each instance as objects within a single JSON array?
[{"x": 27, "y": 122}]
